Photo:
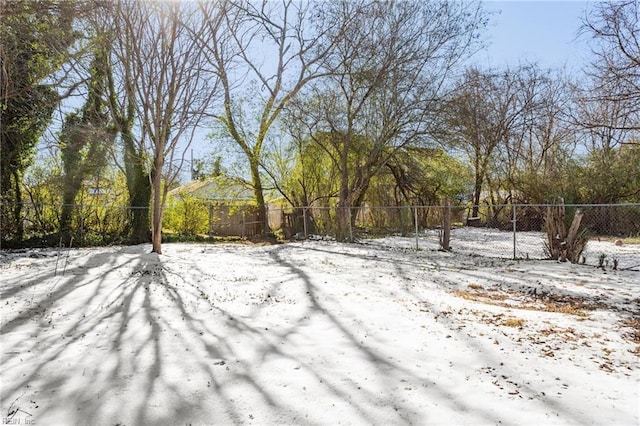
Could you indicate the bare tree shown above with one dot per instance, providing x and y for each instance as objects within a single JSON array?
[
  {"x": 609, "y": 101},
  {"x": 607, "y": 172},
  {"x": 536, "y": 153},
  {"x": 487, "y": 108},
  {"x": 385, "y": 79},
  {"x": 605, "y": 123},
  {"x": 300, "y": 169},
  {"x": 267, "y": 52},
  {"x": 615, "y": 29},
  {"x": 167, "y": 84}
]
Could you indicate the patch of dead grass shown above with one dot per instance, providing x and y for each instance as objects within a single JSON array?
[
  {"x": 513, "y": 322},
  {"x": 568, "y": 334},
  {"x": 550, "y": 303},
  {"x": 479, "y": 296},
  {"x": 577, "y": 310},
  {"x": 634, "y": 335}
]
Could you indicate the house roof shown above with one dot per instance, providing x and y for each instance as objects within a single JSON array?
[{"x": 214, "y": 189}]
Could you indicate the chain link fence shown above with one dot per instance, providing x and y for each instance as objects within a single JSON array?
[
  {"x": 508, "y": 231},
  {"x": 93, "y": 224},
  {"x": 501, "y": 231}
]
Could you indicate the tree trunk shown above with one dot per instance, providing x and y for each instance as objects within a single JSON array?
[
  {"x": 555, "y": 229},
  {"x": 344, "y": 204},
  {"x": 139, "y": 201},
  {"x": 5, "y": 189},
  {"x": 70, "y": 191},
  {"x": 73, "y": 142},
  {"x": 446, "y": 226},
  {"x": 17, "y": 208},
  {"x": 562, "y": 245},
  {"x": 262, "y": 226},
  {"x": 156, "y": 235},
  {"x": 139, "y": 190},
  {"x": 575, "y": 246},
  {"x": 342, "y": 231},
  {"x": 356, "y": 204},
  {"x": 157, "y": 212},
  {"x": 344, "y": 195},
  {"x": 477, "y": 189}
]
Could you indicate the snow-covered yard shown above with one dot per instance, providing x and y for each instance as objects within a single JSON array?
[{"x": 316, "y": 332}]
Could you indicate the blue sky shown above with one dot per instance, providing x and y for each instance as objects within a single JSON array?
[{"x": 536, "y": 31}]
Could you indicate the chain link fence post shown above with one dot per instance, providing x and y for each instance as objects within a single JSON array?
[
  {"x": 210, "y": 224},
  {"x": 304, "y": 222},
  {"x": 1, "y": 220},
  {"x": 81, "y": 220},
  {"x": 515, "y": 228},
  {"x": 350, "y": 226},
  {"x": 415, "y": 219},
  {"x": 242, "y": 228}
]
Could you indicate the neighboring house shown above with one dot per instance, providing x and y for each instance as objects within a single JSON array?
[{"x": 231, "y": 207}]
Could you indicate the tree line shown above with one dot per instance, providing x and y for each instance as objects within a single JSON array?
[{"x": 334, "y": 104}]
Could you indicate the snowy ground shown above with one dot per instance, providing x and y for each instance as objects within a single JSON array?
[
  {"x": 315, "y": 332},
  {"x": 489, "y": 242}
]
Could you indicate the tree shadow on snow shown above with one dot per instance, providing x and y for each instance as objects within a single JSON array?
[
  {"x": 394, "y": 370},
  {"x": 122, "y": 338},
  {"x": 88, "y": 347}
]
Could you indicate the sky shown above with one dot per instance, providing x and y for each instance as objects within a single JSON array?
[{"x": 546, "y": 32}]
